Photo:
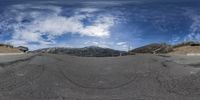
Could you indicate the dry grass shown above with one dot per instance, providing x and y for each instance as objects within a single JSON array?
[
  {"x": 9, "y": 50},
  {"x": 186, "y": 50}
]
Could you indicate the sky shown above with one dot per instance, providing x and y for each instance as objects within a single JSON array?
[{"x": 116, "y": 24}]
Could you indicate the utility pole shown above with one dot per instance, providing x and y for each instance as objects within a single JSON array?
[{"x": 129, "y": 47}]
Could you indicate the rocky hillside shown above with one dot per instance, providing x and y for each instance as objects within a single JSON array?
[
  {"x": 91, "y": 51},
  {"x": 153, "y": 49}
]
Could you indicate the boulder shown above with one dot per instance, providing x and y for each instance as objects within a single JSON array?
[{"x": 22, "y": 48}]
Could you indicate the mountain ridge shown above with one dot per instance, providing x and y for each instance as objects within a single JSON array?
[{"x": 89, "y": 51}]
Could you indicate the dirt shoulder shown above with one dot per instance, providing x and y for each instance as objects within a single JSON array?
[{"x": 9, "y": 50}]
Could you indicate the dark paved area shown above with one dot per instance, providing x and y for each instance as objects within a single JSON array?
[{"x": 62, "y": 77}]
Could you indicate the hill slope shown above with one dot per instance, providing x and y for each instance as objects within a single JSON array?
[
  {"x": 153, "y": 48},
  {"x": 8, "y": 49},
  {"x": 186, "y": 47},
  {"x": 156, "y": 48},
  {"x": 91, "y": 51}
]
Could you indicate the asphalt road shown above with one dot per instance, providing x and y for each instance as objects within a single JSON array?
[{"x": 62, "y": 77}]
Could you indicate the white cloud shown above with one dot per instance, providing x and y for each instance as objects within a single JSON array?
[
  {"x": 27, "y": 36},
  {"x": 100, "y": 28},
  {"x": 194, "y": 34},
  {"x": 111, "y": 2},
  {"x": 24, "y": 7},
  {"x": 98, "y": 43},
  {"x": 175, "y": 40},
  {"x": 121, "y": 43},
  {"x": 123, "y": 46},
  {"x": 59, "y": 25},
  {"x": 53, "y": 24},
  {"x": 88, "y": 10}
]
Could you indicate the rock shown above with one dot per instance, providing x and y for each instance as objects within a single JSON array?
[{"x": 22, "y": 48}]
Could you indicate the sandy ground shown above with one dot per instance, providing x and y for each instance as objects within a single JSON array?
[
  {"x": 186, "y": 50},
  {"x": 62, "y": 77},
  {"x": 9, "y": 50}
]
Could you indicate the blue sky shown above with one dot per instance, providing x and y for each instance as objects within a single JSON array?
[{"x": 117, "y": 24}]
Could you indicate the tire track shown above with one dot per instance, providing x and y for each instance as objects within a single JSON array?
[
  {"x": 99, "y": 88},
  {"x": 10, "y": 81},
  {"x": 18, "y": 61},
  {"x": 90, "y": 87}
]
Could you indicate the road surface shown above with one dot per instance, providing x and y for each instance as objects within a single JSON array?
[{"x": 63, "y": 77}]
